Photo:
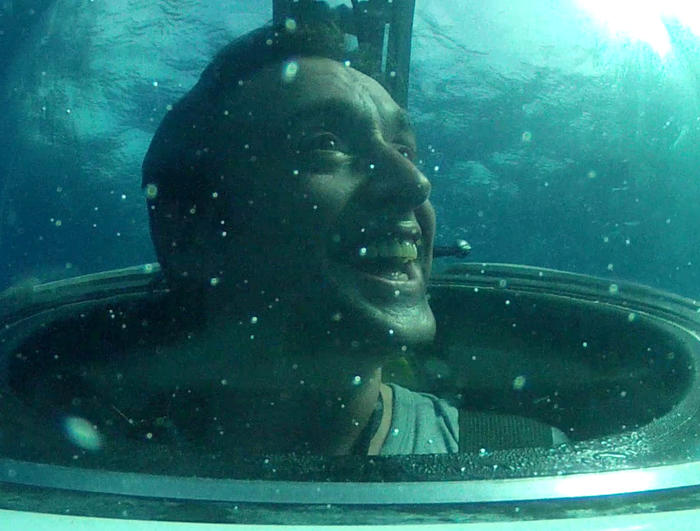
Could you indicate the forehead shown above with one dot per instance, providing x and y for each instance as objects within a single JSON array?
[{"x": 318, "y": 86}]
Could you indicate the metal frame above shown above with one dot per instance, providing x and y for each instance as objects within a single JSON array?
[{"x": 383, "y": 27}]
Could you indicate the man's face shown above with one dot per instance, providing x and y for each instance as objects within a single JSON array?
[{"x": 339, "y": 227}]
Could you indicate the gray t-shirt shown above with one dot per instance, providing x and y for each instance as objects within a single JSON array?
[{"x": 421, "y": 423}]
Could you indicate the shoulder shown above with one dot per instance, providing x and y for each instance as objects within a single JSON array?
[{"x": 421, "y": 423}]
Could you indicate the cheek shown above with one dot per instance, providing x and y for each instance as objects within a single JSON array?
[{"x": 314, "y": 204}]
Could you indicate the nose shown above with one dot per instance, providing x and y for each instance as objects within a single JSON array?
[{"x": 394, "y": 181}]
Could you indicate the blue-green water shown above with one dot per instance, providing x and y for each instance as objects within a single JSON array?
[{"x": 548, "y": 142}]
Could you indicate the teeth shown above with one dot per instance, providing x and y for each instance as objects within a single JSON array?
[{"x": 405, "y": 250}]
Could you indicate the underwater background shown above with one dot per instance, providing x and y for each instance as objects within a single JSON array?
[{"x": 549, "y": 140}]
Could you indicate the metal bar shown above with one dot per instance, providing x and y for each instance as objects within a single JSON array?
[{"x": 355, "y": 493}]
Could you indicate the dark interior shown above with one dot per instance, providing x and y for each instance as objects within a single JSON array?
[{"x": 590, "y": 368}]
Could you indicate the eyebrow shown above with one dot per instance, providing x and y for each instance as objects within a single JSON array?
[{"x": 340, "y": 109}]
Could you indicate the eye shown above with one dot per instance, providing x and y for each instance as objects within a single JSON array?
[
  {"x": 406, "y": 151},
  {"x": 321, "y": 142}
]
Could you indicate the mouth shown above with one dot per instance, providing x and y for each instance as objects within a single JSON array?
[{"x": 392, "y": 258}]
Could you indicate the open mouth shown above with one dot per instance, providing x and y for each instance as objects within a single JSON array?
[{"x": 388, "y": 258}]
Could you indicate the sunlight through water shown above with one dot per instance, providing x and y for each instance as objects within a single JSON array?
[{"x": 643, "y": 20}]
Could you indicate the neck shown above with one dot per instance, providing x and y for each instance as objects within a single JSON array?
[{"x": 293, "y": 419}]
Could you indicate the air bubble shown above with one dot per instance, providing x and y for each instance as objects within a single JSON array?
[
  {"x": 519, "y": 382},
  {"x": 289, "y": 71},
  {"x": 151, "y": 191}
]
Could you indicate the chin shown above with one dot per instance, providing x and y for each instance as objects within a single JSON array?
[
  {"x": 346, "y": 319},
  {"x": 395, "y": 327}
]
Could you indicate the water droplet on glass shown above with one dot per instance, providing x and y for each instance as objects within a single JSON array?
[{"x": 82, "y": 433}]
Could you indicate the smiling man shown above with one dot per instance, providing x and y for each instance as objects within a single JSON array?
[{"x": 293, "y": 224}]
